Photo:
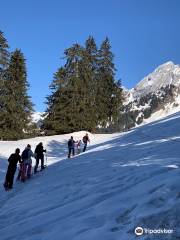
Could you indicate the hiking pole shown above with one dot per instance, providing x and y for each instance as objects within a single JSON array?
[{"x": 46, "y": 158}]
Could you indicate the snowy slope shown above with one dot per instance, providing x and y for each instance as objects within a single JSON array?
[{"x": 121, "y": 182}]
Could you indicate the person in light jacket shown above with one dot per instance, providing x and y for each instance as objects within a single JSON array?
[{"x": 26, "y": 162}]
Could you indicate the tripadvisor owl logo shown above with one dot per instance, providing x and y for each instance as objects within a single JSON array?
[{"x": 139, "y": 231}]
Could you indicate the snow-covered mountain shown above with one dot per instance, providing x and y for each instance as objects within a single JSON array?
[
  {"x": 123, "y": 181},
  {"x": 37, "y": 118},
  {"x": 155, "y": 96},
  {"x": 165, "y": 75}
]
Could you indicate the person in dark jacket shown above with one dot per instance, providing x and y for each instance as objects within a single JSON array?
[
  {"x": 39, "y": 155},
  {"x": 71, "y": 144},
  {"x": 85, "y": 141},
  {"x": 13, "y": 160}
]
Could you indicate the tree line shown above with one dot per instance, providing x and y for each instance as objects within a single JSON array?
[
  {"x": 15, "y": 104},
  {"x": 84, "y": 92}
]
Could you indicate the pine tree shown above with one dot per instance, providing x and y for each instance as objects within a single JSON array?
[
  {"x": 55, "y": 121},
  {"x": 66, "y": 104},
  {"x": 4, "y": 54},
  {"x": 17, "y": 105},
  {"x": 109, "y": 97},
  {"x": 4, "y": 60},
  {"x": 89, "y": 72},
  {"x": 84, "y": 91}
]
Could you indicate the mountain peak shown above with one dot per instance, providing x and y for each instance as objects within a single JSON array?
[
  {"x": 155, "y": 96},
  {"x": 167, "y": 63},
  {"x": 164, "y": 75}
]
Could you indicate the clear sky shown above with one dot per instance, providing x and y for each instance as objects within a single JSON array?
[{"x": 143, "y": 35}]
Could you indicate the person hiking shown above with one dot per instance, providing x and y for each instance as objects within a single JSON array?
[
  {"x": 39, "y": 156},
  {"x": 71, "y": 144},
  {"x": 79, "y": 146},
  {"x": 85, "y": 141},
  {"x": 26, "y": 163},
  {"x": 13, "y": 160},
  {"x": 20, "y": 173}
]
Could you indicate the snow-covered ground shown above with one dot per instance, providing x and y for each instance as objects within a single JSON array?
[{"x": 123, "y": 181}]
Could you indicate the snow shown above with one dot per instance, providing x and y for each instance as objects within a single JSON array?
[
  {"x": 128, "y": 96},
  {"x": 166, "y": 74},
  {"x": 37, "y": 116},
  {"x": 169, "y": 109},
  {"x": 124, "y": 180}
]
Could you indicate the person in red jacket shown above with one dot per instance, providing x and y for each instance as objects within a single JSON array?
[{"x": 85, "y": 141}]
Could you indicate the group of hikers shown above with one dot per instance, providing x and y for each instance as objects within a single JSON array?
[
  {"x": 80, "y": 145},
  {"x": 25, "y": 163},
  {"x": 25, "y": 160}
]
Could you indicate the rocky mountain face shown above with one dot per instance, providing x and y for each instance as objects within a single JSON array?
[{"x": 156, "y": 96}]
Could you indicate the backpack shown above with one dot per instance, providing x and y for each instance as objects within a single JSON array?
[
  {"x": 25, "y": 154},
  {"x": 70, "y": 143},
  {"x": 85, "y": 139}
]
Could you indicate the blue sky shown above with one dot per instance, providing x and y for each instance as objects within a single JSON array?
[{"x": 143, "y": 35}]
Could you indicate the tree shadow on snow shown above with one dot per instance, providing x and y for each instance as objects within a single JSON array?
[{"x": 57, "y": 149}]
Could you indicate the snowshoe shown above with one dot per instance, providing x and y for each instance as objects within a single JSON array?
[{"x": 43, "y": 167}]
